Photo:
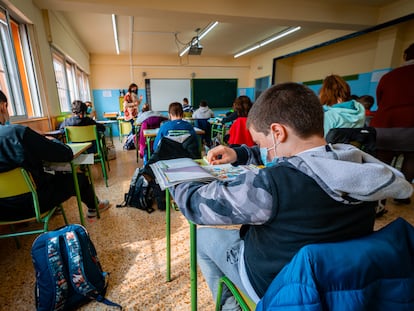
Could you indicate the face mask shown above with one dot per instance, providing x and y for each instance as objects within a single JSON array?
[
  {"x": 264, "y": 152},
  {"x": 134, "y": 91},
  {"x": 89, "y": 110}
]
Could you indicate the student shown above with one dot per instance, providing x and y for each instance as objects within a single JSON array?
[
  {"x": 238, "y": 132},
  {"x": 79, "y": 118},
  {"x": 203, "y": 112},
  {"x": 186, "y": 106},
  {"x": 340, "y": 110},
  {"x": 367, "y": 101},
  {"x": 90, "y": 111},
  {"x": 394, "y": 119},
  {"x": 145, "y": 108},
  {"x": 20, "y": 146},
  {"x": 241, "y": 107},
  {"x": 176, "y": 126},
  {"x": 309, "y": 192}
]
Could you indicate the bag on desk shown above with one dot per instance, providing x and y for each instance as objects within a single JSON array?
[
  {"x": 68, "y": 271},
  {"x": 140, "y": 193}
]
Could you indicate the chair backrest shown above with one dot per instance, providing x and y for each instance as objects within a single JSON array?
[
  {"x": 363, "y": 138},
  {"x": 374, "y": 272},
  {"x": 17, "y": 182},
  {"x": 80, "y": 134},
  {"x": 239, "y": 134}
]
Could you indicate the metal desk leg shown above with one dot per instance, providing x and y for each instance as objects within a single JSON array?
[
  {"x": 148, "y": 142},
  {"x": 77, "y": 191},
  {"x": 193, "y": 265},
  {"x": 168, "y": 230}
]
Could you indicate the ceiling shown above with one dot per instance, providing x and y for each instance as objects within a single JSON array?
[{"x": 163, "y": 27}]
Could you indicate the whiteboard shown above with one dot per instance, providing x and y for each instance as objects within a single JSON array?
[{"x": 165, "y": 91}]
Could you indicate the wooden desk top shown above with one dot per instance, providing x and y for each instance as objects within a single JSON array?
[
  {"x": 53, "y": 133},
  {"x": 79, "y": 148},
  {"x": 106, "y": 122},
  {"x": 110, "y": 115}
]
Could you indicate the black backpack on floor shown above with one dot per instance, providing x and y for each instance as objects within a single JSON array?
[{"x": 140, "y": 193}]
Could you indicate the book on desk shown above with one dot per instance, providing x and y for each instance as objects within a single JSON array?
[{"x": 173, "y": 172}]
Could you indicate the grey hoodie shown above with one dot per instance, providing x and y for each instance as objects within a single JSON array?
[{"x": 347, "y": 171}]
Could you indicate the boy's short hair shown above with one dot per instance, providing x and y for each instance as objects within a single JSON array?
[
  {"x": 366, "y": 100},
  {"x": 185, "y": 100},
  {"x": 290, "y": 104},
  {"x": 203, "y": 103},
  {"x": 78, "y": 107},
  {"x": 176, "y": 109}
]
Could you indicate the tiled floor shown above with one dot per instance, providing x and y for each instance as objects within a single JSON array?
[{"x": 131, "y": 246}]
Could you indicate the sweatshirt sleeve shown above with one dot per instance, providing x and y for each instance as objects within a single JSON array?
[
  {"x": 245, "y": 200},
  {"x": 40, "y": 147}
]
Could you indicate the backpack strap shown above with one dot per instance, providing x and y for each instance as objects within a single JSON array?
[
  {"x": 76, "y": 271},
  {"x": 55, "y": 264}
]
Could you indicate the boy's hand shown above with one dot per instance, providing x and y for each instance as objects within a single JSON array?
[{"x": 221, "y": 155}]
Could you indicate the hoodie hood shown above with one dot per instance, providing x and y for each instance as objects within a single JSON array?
[
  {"x": 350, "y": 175},
  {"x": 346, "y": 114}
]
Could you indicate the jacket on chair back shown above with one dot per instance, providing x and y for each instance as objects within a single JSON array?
[{"x": 375, "y": 272}]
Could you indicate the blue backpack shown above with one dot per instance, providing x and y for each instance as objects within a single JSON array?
[{"x": 68, "y": 272}]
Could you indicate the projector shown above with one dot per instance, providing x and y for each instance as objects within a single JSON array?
[{"x": 195, "y": 49}]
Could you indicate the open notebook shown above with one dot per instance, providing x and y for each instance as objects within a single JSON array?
[{"x": 172, "y": 172}]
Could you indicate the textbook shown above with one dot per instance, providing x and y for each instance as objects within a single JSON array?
[{"x": 172, "y": 172}]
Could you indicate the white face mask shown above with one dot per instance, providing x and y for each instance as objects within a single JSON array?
[{"x": 265, "y": 151}]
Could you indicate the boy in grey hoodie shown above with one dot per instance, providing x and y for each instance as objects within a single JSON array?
[
  {"x": 203, "y": 112},
  {"x": 309, "y": 192}
]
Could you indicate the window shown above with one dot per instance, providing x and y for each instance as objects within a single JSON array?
[
  {"x": 17, "y": 69},
  {"x": 72, "y": 82}
]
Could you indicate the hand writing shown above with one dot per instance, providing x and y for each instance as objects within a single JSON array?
[{"x": 221, "y": 155}]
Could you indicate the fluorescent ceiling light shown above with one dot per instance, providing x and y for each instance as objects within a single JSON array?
[
  {"x": 269, "y": 40},
  {"x": 114, "y": 26},
  {"x": 200, "y": 36}
]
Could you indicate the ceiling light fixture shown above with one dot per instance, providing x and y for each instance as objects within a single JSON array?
[
  {"x": 195, "y": 42},
  {"x": 114, "y": 26},
  {"x": 275, "y": 37}
]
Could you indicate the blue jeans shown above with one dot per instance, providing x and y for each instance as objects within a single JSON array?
[{"x": 217, "y": 256}]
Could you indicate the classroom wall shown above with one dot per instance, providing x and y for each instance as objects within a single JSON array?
[
  {"x": 368, "y": 56},
  {"x": 117, "y": 72}
]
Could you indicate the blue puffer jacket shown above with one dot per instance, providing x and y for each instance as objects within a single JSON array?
[{"x": 375, "y": 272}]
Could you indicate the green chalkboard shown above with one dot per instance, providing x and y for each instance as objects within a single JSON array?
[{"x": 219, "y": 93}]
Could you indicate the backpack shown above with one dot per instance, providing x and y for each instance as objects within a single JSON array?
[
  {"x": 130, "y": 142},
  {"x": 68, "y": 271},
  {"x": 140, "y": 193}
]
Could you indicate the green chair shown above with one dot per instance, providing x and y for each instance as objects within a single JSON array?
[
  {"x": 17, "y": 182},
  {"x": 124, "y": 128},
  {"x": 218, "y": 131},
  {"x": 246, "y": 304},
  {"x": 89, "y": 133}
]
